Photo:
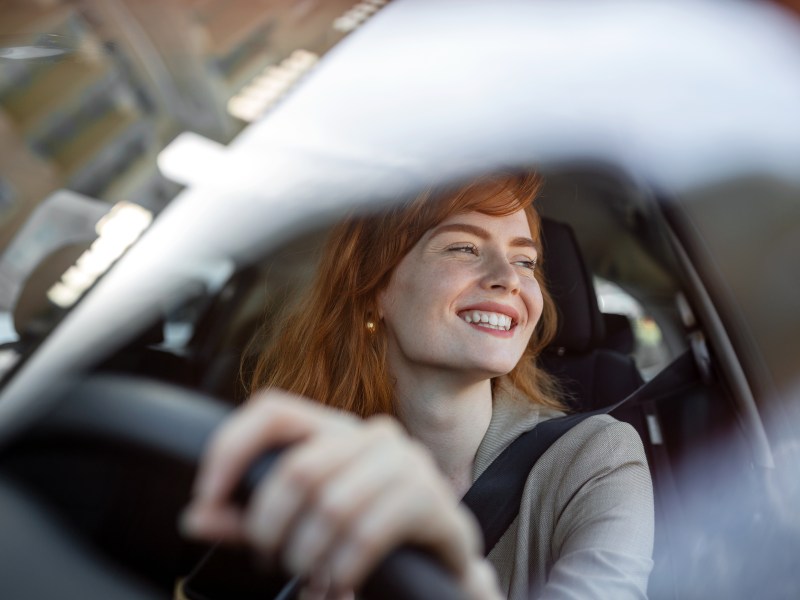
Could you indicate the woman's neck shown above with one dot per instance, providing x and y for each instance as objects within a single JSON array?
[{"x": 449, "y": 417}]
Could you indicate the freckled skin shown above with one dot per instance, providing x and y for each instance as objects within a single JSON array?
[{"x": 448, "y": 271}]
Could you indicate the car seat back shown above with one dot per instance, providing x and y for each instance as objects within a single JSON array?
[{"x": 592, "y": 375}]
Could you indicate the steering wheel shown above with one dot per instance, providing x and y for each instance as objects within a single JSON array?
[{"x": 127, "y": 448}]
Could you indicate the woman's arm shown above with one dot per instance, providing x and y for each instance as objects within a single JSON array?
[
  {"x": 339, "y": 499},
  {"x": 603, "y": 537}
]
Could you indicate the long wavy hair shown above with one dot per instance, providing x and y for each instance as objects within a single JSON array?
[{"x": 326, "y": 351}]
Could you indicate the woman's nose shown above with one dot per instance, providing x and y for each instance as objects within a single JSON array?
[{"x": 500, "y": 274}]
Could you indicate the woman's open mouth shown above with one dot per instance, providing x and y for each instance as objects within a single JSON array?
[{"x": 488, "y": 320}]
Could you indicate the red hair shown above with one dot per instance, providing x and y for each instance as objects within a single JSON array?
[{"x": 325, "y": 351}]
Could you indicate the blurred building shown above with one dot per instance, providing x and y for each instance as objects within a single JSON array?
[{"x": 92, "y": 90}]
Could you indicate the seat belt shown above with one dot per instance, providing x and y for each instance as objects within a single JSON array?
[{"x": 495, "y": 496}]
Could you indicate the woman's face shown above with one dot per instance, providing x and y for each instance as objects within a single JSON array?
[{"x": 464, "y": 299}]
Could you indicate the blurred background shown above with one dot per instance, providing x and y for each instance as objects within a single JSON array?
[{"x": 92, "y": 90}]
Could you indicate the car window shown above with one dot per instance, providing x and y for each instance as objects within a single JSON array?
[
  {"x": 650, "y": 350},
  {"x": 92, "y": 92}
]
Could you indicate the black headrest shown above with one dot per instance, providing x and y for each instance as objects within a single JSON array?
[
  {"x": 580, "y": 323},
  {"x": 619, "y": 333}
]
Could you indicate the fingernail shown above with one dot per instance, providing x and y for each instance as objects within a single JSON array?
[
  {"x": 310, "y": 535},
  {"x": 342, "y": 566}
]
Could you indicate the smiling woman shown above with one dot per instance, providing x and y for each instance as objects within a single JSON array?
[
  {"x": 327, "y": 352},
  {"x": 427, "y": 321},
  {"x": 464, "y": 280}
]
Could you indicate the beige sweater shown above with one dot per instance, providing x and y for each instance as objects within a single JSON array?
[{"x": 585, "y": 526}]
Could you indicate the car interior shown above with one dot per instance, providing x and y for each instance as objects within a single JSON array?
[
  {"x": 119, "y": 497},
  {"x": 688, "y": 303}
]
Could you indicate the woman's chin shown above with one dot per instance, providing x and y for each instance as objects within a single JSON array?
[{"x": 481, "y": 370}]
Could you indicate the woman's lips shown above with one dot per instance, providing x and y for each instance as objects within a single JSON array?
[
  {"x": 491, "y": 317},
  {"x": 493, "y": 307}
]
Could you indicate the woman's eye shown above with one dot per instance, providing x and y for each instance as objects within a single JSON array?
[
  {"x": 465, "y": 248},
  {"x": 526, "y": 264}
]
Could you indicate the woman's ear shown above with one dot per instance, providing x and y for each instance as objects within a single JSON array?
[{"x": 380, "y": 302}]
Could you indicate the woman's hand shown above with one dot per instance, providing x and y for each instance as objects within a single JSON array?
[{"x": 338, "y": 500}]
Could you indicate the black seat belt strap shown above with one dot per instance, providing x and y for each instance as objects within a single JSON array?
[{"x": 495, "y": 496}]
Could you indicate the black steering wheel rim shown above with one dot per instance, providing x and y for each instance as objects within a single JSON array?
[{"x": 173, "y": 424}]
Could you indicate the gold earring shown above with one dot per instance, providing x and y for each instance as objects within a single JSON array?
[{"x": 371, "y": 326}]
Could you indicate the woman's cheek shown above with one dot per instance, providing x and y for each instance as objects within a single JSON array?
[{"x": 534, "y": 302}]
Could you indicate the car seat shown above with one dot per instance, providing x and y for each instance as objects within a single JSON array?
[
  {"x": 592, "y": 372},
  {"x": 618, "y": 333}
]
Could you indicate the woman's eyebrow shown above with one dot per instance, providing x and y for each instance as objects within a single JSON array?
[
  {"x": 524, "y": 242},
  {"x": 462, "y": 227},
  {"x": 518, "y": 242}
]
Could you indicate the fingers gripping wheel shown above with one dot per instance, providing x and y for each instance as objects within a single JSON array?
[{"x": 167, "y": 424}]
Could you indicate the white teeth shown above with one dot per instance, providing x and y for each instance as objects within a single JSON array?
[{"x": 489, "y": 320}]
